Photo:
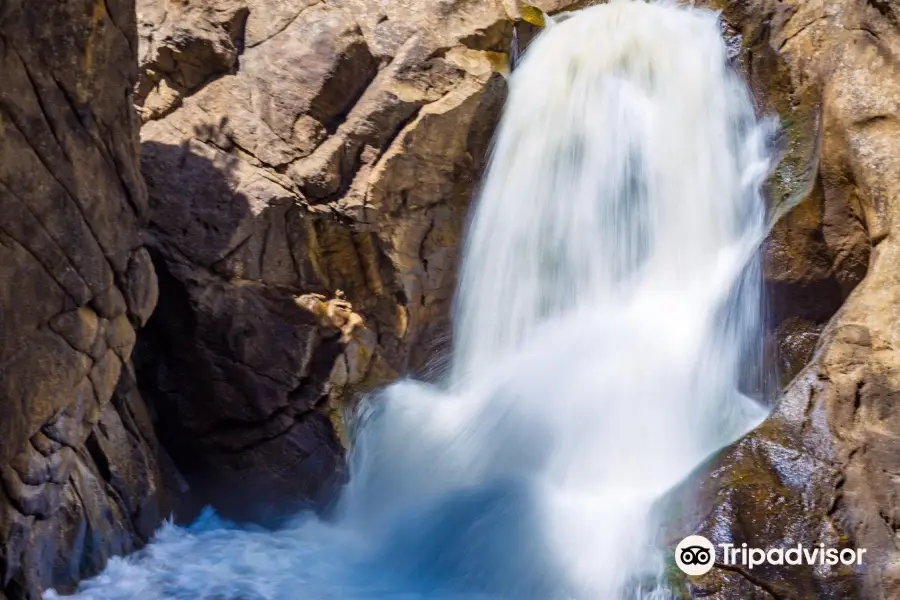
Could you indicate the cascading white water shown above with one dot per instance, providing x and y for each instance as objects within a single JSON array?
[{"x": 609, "y": 294}]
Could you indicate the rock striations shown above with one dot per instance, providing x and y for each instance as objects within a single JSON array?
[
  {"x": 81, "y": 472},
  {"x": 301, "y": 149}
]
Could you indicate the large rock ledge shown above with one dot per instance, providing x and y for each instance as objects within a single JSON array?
[
  {"x": 290, "y": 149},
  {"x": 80, "y": 468}
]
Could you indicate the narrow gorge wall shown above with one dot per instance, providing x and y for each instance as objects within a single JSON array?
[{"x": 80, "y": 468}]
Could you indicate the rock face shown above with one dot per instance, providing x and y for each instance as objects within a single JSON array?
[
  {"x": 80, "y": 468},
  {"x": 319, "y": 151},
  {"x": 825, "y": 467}
]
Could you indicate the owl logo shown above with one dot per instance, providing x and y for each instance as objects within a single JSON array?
[{"x": 695, "y": 555}]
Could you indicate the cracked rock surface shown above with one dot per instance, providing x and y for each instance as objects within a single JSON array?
[
  {"x": 81, "y": 473},
  {"x": 325, "y": 151}
]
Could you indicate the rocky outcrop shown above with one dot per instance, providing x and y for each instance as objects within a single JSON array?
[
  {"x": 824, "y": 467},
  {"x": 80, "y": 468},
  {"x": 819, "y": 247},
  {"x": 302, "y": 150}
]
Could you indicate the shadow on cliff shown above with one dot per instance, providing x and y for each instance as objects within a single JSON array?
[{"x": 233, "y": 371}]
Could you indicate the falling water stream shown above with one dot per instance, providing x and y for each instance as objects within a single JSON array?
[{"x": 608, "y": 305}]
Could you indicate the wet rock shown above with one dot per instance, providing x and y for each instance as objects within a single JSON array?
[{"x": 822, "y": 468}]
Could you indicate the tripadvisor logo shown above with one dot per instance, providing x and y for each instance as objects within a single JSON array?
[{"x": 696, "y": 555}]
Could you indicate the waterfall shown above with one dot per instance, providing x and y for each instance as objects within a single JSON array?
[{"x": 609, "y": 297}]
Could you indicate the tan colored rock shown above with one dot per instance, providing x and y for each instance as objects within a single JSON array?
[
  {"x": 188, "y": 44},
  {"x": 336, "y": 313},
  {"x": 338, "y": 151}
]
